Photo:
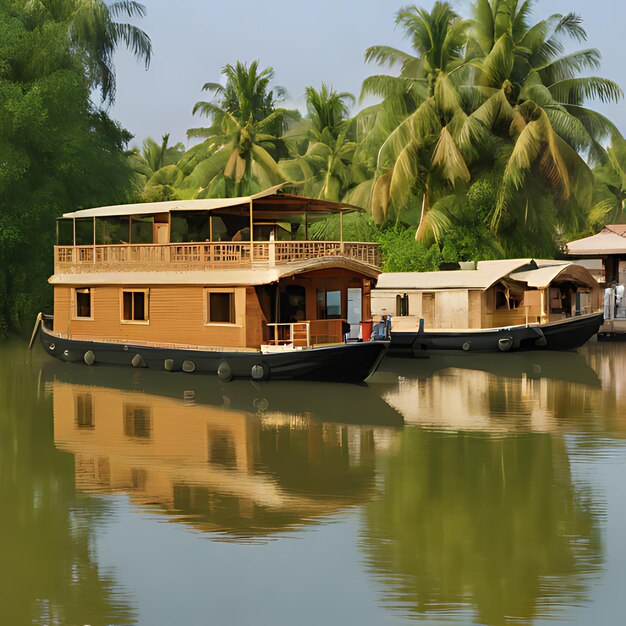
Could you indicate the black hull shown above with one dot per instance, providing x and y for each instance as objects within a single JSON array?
[
  {"x": 568, "y": 334},
  {"x": 347, "y": 363}
]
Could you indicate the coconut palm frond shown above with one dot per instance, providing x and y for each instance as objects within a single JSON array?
[
  {"x": 577, "y": 90},
  {"x": 380, "y": 197},
  {"x": 449, "y": 160}
]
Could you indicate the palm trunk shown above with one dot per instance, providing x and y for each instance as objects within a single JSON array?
[{"x": 421, "y": 228}]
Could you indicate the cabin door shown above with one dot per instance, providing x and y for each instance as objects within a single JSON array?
[
  {"x": 161, "y": 233},
  {"x": 355, "y": 309}
]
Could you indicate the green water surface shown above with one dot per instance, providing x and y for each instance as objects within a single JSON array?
[{"x": 467, "y": 490}]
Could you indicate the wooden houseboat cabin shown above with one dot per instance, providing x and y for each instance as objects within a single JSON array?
[
  {"x": 495, "y": 294},
  {"x": 234, "y": 274}
]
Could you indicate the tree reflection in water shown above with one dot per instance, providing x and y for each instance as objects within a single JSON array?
[
  {"x": 484, "y": 523},
  {"x": 48, "y": 567}
]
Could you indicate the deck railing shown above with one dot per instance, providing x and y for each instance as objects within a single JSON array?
[
  {"x": 206, "y": 255},
  {"x": 306, "y": 333}
]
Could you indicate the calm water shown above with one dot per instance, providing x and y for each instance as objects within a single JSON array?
[{"x": 449, "y": 491}]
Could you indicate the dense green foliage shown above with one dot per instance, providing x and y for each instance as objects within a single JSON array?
[
  {"x": 482, "y": 144},
  {"x": 58, "y": 151}
]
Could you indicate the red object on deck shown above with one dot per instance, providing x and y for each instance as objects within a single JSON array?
[{"x": 366, "y": 329}]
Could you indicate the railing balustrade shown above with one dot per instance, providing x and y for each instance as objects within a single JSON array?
[
  {"x": 149, "y": 257},
  {"x": 307, "y": 333}
]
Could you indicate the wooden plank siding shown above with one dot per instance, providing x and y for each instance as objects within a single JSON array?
[{"x": 177, "y": 314}]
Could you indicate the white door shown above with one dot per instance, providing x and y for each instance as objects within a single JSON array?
[{"x": 355, "y": 299}]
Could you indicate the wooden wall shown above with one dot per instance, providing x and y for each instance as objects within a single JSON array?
[{"x": 177, "y": 315}]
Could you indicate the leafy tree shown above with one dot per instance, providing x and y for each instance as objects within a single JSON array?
[
  {"x": 58, "y": 152},
  {"x": 240, "y": 149},
  {"x": 327, "y": 169},
  {"x": 498, "y": 95},
  {"x": 609, "y": 186},
  {"x": 155, "y": 169},
  {"x": 423, "y": 155},
  {"x": 535, "y": 97},
  {"x": 94, "y": 34}
]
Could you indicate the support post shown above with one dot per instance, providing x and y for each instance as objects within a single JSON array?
[
  {"x": 74, "y": 253},
  {"x": 251, "y": 232},
  {"x": 341, "y": 231},
  {"x": 94, "y": 241},
  {"x": 306, "y": 221}
]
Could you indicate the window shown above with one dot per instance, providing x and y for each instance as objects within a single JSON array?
[
  {"x": 333, "y": 305},
  {"x": 82, "y": 304},
  {"x": 84, "y": 411},
  {"x": 402, "y": 304},
  {"x": 220, "y": 307},
  {"x": 222, "y": 449},
  {"x": 137, "y": 421},
  {"x": 135, "y": 306},
  {"x": 328, "y": 305}
]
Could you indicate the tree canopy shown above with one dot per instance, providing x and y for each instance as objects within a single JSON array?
[{"x": 483, "y": 141}]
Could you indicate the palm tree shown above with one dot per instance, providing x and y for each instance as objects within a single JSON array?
[
  {"x": 328, "y": 109},
  {"x": 437, "y": 38},
  {"x": 155, "y": 168},
  {"x": 426, "y": 155},
  {"x": 532, "y": 95},
  {"x": 242, "y": 145},
  {"x": 609, "y": 186},
  {"x": 326, "y": 169},
  {"x": 95, "y": 34}
]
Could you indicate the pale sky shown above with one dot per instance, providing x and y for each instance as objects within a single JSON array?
[{"x": 306, "y": 43}]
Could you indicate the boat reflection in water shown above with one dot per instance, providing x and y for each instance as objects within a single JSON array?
[
  {"x": 241, "y": 459},
  {"x": 499, "y": 528},
  {"x": 499, "y": 392}
]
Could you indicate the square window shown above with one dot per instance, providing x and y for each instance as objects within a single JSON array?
[
  {"x": 135, "y": 306},
  {"x": 221, "y": 307},
  {"x": 137, "y": 421}
]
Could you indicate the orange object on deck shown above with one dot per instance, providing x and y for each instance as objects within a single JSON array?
[{"x": 366, "y": 329}]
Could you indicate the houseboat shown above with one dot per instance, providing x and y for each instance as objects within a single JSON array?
[
  {"x": 496, "y": 306},
  {"x": 606, "y": 251},
  {"x": 234, "y": 287}
]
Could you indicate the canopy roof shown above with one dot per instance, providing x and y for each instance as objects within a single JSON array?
[
  {"x": 268, "y": 204},
  {"x": 486, "y": 274},
  {"x": 544, "y": 276},
  {"x": 610, "y": 240},
  {"x": 535, "y": 273}
]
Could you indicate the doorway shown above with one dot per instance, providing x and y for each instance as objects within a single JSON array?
[
  {"x": 292, "y": 303},
  {"x": 355, "y": 308}
]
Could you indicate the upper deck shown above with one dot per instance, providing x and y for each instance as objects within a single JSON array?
[
  {"x": 264, "y": 230},
  {"x": 205, "y": 255}
]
